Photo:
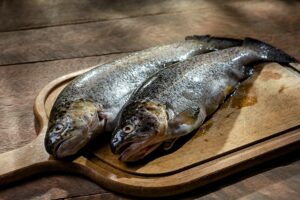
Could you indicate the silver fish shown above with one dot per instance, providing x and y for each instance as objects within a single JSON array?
[
  {"x": 89, "y": 105},
  {"x": 177, "y": 99}
]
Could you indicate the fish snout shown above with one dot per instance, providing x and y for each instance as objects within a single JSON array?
[
  {"x": 116, "y": 141},
  {"x": 52, "y": 141},
  {"x": 49, "y": 145}
]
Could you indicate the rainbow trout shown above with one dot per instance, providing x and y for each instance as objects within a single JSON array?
[
  {"x": 177, "y": 99},
  {"x": 89, "y": 105}
]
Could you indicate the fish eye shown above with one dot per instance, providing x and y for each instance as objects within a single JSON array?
[
  {"x": 58, "y": 128},
  {"x": 128, "y": 128}
]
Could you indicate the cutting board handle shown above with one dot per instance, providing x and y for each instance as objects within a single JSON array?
[
  {"x": 33, "y": 159},
  {"x": 24, "y": 161}
]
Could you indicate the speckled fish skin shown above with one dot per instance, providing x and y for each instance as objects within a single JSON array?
[
  {"x": 177, "y": 100},
  {"x": 91, "y": 102}
]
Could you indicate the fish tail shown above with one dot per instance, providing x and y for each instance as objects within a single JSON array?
[
  {"x": 267, "y": 52},
  {"x": 217, "y": 42}
]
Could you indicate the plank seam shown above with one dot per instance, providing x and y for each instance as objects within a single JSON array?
[
  {"x": 69, "y": 58},
  {"x": 84, "y": 195},
  {"x": 87, "y": 21}
]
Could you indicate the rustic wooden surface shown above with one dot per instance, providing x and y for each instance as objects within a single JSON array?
[
  {"x": 208, "y": 156},
  {"x": 31, "y": 58}
]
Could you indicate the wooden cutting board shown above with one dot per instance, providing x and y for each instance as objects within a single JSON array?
[{"x": 261, "y": 121}]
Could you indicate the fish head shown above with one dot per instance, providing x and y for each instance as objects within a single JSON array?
[
  {"x": 141, "y": 129},
  {"x": 72, "y": 128}
]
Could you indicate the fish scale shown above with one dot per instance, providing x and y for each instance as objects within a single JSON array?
[
  {"x": 198, "y": 75},
  {"x": 178, "y": 99},
  {"x": 111, "y": 84},
  {"x": 105, "y": 89}
]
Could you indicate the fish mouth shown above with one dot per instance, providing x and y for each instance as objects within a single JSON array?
[
  {"x": 123, "y": 147},
  {"x": 55, "y": 149},
  {"x": 68, "y": 147},
  {"x": 76, "y": 140},
  {"x": 132, "y": 152}
]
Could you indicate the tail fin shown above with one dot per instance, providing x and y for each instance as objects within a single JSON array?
[
  {"x": 217, "y": 42},
  {"x": 267, "y": 52}
]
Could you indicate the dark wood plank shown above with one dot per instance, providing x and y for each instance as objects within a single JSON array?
[
  {"x": 16, "y": 15},
  {"x": 104, "y": 196},
  {"x": 19, "y": 85},
  {"x": 51, "y": 187},
  {"x": 274, "y": 22}
]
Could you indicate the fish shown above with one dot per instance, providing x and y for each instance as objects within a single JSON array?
[
  {"x": 88, "y": 106},
  {"x": 177, "y": 100}
]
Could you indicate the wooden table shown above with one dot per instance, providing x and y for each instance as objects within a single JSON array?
[{"x": 42, "y": 40}]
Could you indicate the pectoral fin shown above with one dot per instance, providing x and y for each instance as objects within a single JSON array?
[{"x": 186, "y": 122}]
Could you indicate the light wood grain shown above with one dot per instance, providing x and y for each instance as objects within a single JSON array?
[{"x": 234, "y": 20}]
